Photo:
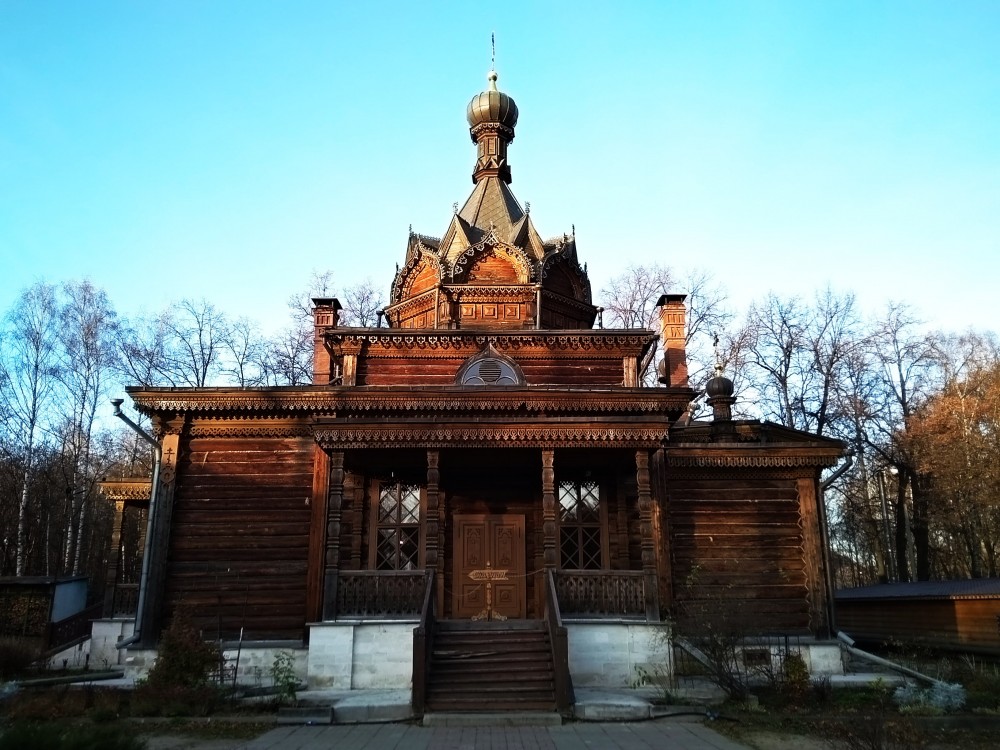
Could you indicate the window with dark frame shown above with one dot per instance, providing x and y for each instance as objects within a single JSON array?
[
  {"x": 397, "y": 530},
  {"x": 580, "y": 525}
]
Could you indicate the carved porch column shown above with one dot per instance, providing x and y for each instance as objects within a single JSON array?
[
  {"x": 648, "y": 540},
  {"x": 550, "y": 542},
  {"x": 114, "y": 560},
  {"x": 333, "y": 517},
  {"x": 432, "y": 526}
]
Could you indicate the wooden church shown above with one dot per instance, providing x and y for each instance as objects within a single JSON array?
[{"x": 483, "y": 482}]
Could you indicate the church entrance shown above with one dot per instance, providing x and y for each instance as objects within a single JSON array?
[{"x": 489, "y": 568}]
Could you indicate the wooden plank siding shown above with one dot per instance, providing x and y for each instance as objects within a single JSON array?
[
  {"x": 737, "y": 554},
  {"x": 240, "y": 536},
  {"x": 415, "y": 370},
  {"x": 950, "y": 624}
]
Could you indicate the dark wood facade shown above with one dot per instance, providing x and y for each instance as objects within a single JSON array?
[{"x": 489, "y": 438}]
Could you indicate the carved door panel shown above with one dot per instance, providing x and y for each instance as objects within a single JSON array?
[{"x": 488, "y": 582}]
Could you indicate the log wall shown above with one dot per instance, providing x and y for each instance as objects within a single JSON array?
[
  {"x": 415, "y": 370},
  {"x": 240, "y": 536},
  {"x": 737, "y": 555}
]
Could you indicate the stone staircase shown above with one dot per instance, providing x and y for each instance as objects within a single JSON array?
[{"x": 491, "y": 666}]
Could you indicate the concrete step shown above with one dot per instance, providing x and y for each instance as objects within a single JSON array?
[{"x": 489, "y": 719}]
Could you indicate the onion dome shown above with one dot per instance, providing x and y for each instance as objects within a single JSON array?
[
  {"x": 492, "y": 106},
  {"x": 719, "y": 387}
]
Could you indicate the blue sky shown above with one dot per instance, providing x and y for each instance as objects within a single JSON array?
[{"x": 226, "y": 149}]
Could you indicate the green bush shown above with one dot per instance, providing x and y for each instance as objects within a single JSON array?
[
  {"x": 16, "y": 655},
  {"x": 51, "y": 736},
  {"x": 178, "y": 684}
]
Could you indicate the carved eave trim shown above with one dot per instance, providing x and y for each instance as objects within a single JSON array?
[
  {"x": 248, "y": 428},
  {"x": 336, "y": 401},
  {"x": 751, "y": 457},
  {"x": 489, "y": 292},
  {"x": 491, "y": 436},
  {"x": 418, "y": 339},
  {"x": 131, "y": 490},
  {"x": 306, "y": 401}
]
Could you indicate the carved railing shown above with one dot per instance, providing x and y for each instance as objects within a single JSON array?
[
  {"x": 380, "y": 594},
  {"x": 126, "y": 600},
  {"x": 602, "y": 593},
  {"x": 423, "y": 647},
  {"x": 552, "y": 618}
]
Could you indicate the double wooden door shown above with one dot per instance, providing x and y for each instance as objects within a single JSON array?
[{"x": 489, "y": 569}]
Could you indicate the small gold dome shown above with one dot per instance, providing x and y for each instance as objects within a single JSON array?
[{"x": 492, "y": 106}]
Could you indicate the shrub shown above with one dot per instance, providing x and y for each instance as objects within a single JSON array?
[
  {"x": 794, "y": 675},
  {"x": 52, "y": 736},
  {"x": 939, "y": 699},
  {"x": 184, "y": 659},
  {"x": 178, "y": 683},
  {"x": 283, "y": 676},
  {"x": 16, "y": 655}
]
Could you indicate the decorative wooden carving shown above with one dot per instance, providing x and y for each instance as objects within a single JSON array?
[
  {"x": 432, "y": 519},
  {"x": 484, "y": 436},
  {"x": 646, "y": 533},
  {"x": 602, "y": 593},
  {"x": 550, "y": 534},
  {"x": 379, "y": 594},
  {"x": 332, "y": 555}
]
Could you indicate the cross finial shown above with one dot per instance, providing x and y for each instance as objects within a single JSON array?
[
  {"x": 718, "y": 357},
  {"x": 493, "y": 45},
  {"x": 454, "y": 207}
]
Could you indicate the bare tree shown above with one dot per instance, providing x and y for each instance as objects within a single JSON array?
[
  {"x": 246, "y": 360},
  {"x": 630, "y": 298},
  {"x": 88, "y": 334},
  {"x": 143, "y": 351},
  {"x": 630, "y": 302},
  {"x": 30, "y": 366},
  {"x": 199, "y": 334},
  {"x": 800, "y": 352},
  {"x": 362, "y": 303}
]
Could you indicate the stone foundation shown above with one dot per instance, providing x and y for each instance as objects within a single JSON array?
[{"x": 361, "y": 655}]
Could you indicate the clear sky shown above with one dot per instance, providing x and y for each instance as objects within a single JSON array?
[{"x": 225, "y": 149}]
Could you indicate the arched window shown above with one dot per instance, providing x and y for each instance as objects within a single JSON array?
[{"x": 489, "y": 367}]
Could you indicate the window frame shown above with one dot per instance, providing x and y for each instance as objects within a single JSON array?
[
  {"x": 601, "y": 524},
  {"x": 374, "y": 524}
]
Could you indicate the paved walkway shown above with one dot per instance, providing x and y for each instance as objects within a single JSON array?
[{"x": 661, "y": 734}]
